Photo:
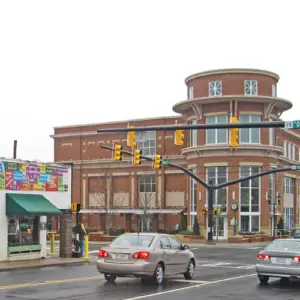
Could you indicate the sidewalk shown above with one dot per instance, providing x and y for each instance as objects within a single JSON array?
[{"x": 42, "y": 263}]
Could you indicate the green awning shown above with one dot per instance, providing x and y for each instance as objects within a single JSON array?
[{"x": 29, "y": 205}]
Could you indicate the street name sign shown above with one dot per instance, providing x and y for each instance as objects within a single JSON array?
[{"x": 292, "y": 124}]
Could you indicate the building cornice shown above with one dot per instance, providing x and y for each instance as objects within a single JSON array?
[
  {"x": 117, "y": 122},
  {"x": 280, "y": 103},
  {"x": 125, "y": 163},
  {"x": 225, "y": 150},
  {"x": 232, "y": 71}
]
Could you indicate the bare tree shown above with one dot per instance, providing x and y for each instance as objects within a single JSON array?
[
  {"x": 100, "y": 198},
  {"x": 146, "y": 201}
]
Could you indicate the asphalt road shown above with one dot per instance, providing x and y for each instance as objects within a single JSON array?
[{"x": 222, "y": 273}]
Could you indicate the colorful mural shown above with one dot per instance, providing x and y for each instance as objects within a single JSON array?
[{"x": 16, "y": 176}]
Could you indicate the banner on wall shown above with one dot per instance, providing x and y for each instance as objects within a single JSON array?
[{"x": 33, "y": 177}]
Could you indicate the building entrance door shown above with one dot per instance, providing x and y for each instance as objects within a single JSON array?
[{"x": 220, "y": 226}]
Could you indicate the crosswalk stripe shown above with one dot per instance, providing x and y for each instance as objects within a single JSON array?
[{"x": 229, "y": 265}]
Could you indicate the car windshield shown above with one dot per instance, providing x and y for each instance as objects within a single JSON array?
[
  {"x": 131, "y": 241},
  {"x": 284, "y": 245}
]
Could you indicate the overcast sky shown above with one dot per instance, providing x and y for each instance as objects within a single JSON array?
[{"x": 78, "y": 62}]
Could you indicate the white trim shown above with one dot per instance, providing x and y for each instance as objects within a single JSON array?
[
  {"x": 251, "y": 113},
  {"x": 174, "y": 172},
  {"x": 193, "y": 166},
  {"x": 211, "y": 114},
  {"x": 254, "y": 164},
  {"x": 289, "y": 175},
  {"x": 216, "y": 164}
]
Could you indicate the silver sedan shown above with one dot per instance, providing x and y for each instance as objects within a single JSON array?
[
  {"x": 145, "y": 255},
  {"x": 279, "y": 259}
]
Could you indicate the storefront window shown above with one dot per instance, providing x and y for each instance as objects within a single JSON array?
[{"x": 22, "y": 231}]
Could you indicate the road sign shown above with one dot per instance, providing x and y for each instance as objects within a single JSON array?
[
  {"x": 165, "y": 162},
  {"x": 296, "y": 167},
  {"x": 292, "y": 124}
]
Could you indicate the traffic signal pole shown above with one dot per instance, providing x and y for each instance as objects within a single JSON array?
[
  {"x": 273, "y": 124},
  {"x": 211, "y": 188}
]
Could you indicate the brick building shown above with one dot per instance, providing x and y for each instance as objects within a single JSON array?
[{"x": 213, "y": 96}]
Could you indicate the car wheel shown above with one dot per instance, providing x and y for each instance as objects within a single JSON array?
[
  {"x": 263, "y": 279},
  {"x": 109, "y": 277},
  {"x": 158, "y": 276},
  {"x": 189, "y": 274}
]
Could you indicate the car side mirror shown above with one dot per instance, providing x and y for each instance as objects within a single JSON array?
[{"x": 185, "y": 247}]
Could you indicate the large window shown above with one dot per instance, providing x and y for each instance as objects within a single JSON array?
[
  {"x": 22, "y": 231},
  {"x": 289, "y": 185},
  {"x": 250, "y": 87},
  {"x": 193, "y": 198},
  {"x": 289, "y": 217},
  {"x": 215, "y": 88},
  {"x": 146, "y": 142},
  {"x": 147, "y": 183},
  {"x": 193, "y": 135},
  {"x": 249, "y": 135},
  {"x": 216, "y": 136},
  {"x": 250, "y": 200},
  {"x": 217, "y": 175}
]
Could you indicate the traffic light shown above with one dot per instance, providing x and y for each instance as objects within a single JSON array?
[
  {"x": 131, "y": 138},
  {"x": 117, "y": 152},
  {"x": 75, "y": 207},
  {"x": 179, "y": 136},
  {"x": 137, "y": 157},
  {"x": 203, "y": 212},
  {"x": 157, "y": 162},
  {"x": 234, "y": 134},
  {"x": 217, "y": 211}
]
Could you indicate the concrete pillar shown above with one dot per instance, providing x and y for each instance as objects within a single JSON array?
[{"x": 65, "y": 250}]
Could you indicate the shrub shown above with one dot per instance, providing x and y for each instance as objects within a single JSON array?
[{"x": 196, "y": 227}]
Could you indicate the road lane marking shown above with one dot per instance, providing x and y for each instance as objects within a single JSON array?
[
  {"x": 190, "y": 287},
  {"x": 31, "y": 284},
  {"x": 189, "y": 281}
]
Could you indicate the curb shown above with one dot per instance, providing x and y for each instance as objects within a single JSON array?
[{"x": 45, "y": 266}]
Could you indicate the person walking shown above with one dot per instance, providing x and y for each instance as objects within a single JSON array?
[{"x": 82, "y": 234}]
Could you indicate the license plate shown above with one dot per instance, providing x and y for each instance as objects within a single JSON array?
[
  {"x": 282, "y": 261},
  {"x": 122, "y": 256}
]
